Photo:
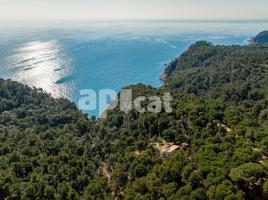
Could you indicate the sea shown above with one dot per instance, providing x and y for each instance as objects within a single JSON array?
[{"x": 64, "y": 58}]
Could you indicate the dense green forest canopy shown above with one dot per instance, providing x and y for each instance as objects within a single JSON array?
[{"x": 50, "y": 150}]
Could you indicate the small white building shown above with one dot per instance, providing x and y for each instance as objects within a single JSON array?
[{"x": 171, "y": 149}]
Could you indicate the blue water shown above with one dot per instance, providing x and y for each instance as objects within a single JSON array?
[{"x": 64, "y": 58}]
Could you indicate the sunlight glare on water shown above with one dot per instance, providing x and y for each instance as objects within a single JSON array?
[
  {"x": 64, "y": 58},
  {"x": 41, "y": 64}
]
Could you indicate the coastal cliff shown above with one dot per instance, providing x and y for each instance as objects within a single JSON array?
[{"x": 179, "y": 63}]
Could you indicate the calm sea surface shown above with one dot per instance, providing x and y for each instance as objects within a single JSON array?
[{"x": 63, "y": 58}]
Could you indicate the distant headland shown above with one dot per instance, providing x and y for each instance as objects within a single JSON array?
[{"x": 261, "y": 38}]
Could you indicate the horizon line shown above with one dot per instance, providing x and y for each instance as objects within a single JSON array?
[{"x": 159, "y": 19}]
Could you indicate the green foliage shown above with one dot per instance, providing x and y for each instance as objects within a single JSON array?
[
  {"x": 50, "y": 150},
  {"x": 249, "y": 174}
]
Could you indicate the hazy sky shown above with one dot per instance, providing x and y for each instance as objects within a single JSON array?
[{"x": 133, "y": 9}]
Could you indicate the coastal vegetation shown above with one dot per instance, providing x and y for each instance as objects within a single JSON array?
[{"x": 218, "y": 126}]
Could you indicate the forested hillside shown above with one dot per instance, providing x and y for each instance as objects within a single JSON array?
[{"x": 50, "y": 150}]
